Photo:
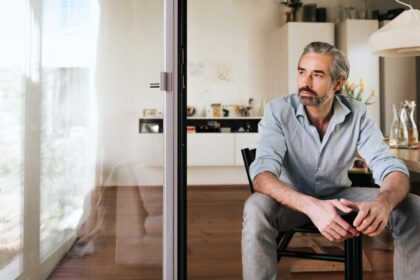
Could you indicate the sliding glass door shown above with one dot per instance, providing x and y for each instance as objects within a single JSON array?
[{"x": 85, "y": 113}]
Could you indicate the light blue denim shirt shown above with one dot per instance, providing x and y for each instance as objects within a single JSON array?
[{"x": 291, "y": 149}]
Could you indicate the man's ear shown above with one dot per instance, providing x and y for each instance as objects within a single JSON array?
[{"x": 339, "y": 84}]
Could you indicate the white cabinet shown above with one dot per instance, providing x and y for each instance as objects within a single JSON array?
[
  {"x": 212, "y": 158},
  {"x": 210, "y": 149},
  {"x": 203, "y": 149},
  {"x": 219, "y": 149},
  {"x": 294, "y": 36},
  {"x": 352, "y": 38}
]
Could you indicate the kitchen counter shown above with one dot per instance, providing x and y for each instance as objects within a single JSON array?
[{"x": 411, "y": 157}]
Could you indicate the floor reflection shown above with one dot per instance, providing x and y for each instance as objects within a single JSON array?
[{"x": 129, "y": 242}]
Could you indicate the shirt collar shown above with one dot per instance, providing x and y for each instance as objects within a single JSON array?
[
  {"x": 340, "y": 110},
  {"x": 300, "y": 111}
]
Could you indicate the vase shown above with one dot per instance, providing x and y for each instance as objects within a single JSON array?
[
  {"x": 395, "y": 128},
  {"x": 403, "y": 130},
  {"x": 411, "y": 124}
]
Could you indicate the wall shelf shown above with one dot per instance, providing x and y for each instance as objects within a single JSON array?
[{"x": 206, "y": 125}]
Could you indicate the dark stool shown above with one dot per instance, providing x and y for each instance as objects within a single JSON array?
[{"x": 352, "y": 257}]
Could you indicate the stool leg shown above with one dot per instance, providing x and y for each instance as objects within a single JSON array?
[
  {"x": 353, "y": 259},
  {"x": 358, "y": 258},
  {"x": 349, "y": 264},
  {"x": 283, "y": 241}
]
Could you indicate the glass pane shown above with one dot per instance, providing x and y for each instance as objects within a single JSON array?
[
  {"x": 127, "y": 209},
  {"x": 232, "y": 68},
  {"x": 130, "y": 49},
  {"x": 68, "y": 132},
  {"x": 12, "y": 82}
]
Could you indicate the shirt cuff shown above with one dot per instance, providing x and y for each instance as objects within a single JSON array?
[
  {"x": 386, "y": 168},
  {"x": 264, "y": 165}
]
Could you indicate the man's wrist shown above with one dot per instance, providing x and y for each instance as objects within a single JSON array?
[
  {"x": 384, "y": 199},
  {"x": 307, "y": 204}
]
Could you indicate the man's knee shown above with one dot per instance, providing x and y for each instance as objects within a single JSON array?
[
  {"x": 258, "y": 211},
  {"x": 405, "y": 217}
]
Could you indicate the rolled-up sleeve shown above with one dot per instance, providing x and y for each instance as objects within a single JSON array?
[
  {"x": 271, "y": 146},
  {"x": 375, "y": 152}
]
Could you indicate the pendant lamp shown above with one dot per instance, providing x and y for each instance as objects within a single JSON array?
[{"x": 400, "y": 37}]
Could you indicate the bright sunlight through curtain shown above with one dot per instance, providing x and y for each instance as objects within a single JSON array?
[{"x": 48, "y": 127}]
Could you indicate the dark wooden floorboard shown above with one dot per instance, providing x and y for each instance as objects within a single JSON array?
[{"x": 214, "y": 234}]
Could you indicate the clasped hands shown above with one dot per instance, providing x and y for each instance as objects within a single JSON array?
[{"x": 371, "y": 218}]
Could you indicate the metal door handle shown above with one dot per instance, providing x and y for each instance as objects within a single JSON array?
[{"x": 165, "y": 82}]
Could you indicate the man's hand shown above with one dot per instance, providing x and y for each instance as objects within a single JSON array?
[
  {"x": 323, "y": 214},
  {"x": 372, "y": 217}
]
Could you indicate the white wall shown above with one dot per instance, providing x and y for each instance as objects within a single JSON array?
[
  {"x": 232, "y": 51},
  {"x": 294, "y": 37},
  {"x": 352, "y": 39},
  {"x": 402, "y": 69}
]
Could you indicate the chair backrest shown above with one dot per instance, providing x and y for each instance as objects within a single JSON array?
[{"x": 248, "y": 155}]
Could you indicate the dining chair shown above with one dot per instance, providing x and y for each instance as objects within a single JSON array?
[{"x": 352, "y": 257}]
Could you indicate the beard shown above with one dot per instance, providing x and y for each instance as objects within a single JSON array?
[{"x": 314, "y": 100}]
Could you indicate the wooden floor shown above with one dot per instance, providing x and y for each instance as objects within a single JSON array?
[{"x": 214, "y": 234}]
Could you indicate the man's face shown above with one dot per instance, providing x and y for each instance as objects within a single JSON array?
[{"x": 315, "y": 85}]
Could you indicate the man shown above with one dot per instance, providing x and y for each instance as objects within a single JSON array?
[{"x": 307, "y": 143}]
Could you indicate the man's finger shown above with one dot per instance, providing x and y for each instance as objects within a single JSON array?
[
  {"x": 343, "y": 232},
  {"x": 351, "y": 204},
  {"x": 367, "y": 222},
  {"x": 346, "y": 226},
  {"x": 328, "y": 236},
  {"x": 372, "y": 226},
  {"x": 335, "y": 236},
  {"x": 361, "y": 215},
  {"x": 343, "y": 207},
  {"x": 380, "y": 228}
]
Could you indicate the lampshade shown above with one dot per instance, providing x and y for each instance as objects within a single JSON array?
[{"x": 400, "y": 37}]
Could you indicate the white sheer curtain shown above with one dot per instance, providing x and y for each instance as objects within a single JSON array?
[
  {"x": 48, "y": 136},
  {"x": 68, "y": 116},
  {"x": 12, "y": 99}
]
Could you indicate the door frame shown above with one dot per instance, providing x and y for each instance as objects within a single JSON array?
[{"x": 175, "y": 144}]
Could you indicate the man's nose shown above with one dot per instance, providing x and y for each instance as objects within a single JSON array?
[{"x": 307, "y": 80}]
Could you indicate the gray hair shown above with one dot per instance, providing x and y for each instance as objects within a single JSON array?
[{"x": 340, "y": 67}]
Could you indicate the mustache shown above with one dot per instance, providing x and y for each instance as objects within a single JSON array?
[{"x": 308, "y": 90}]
